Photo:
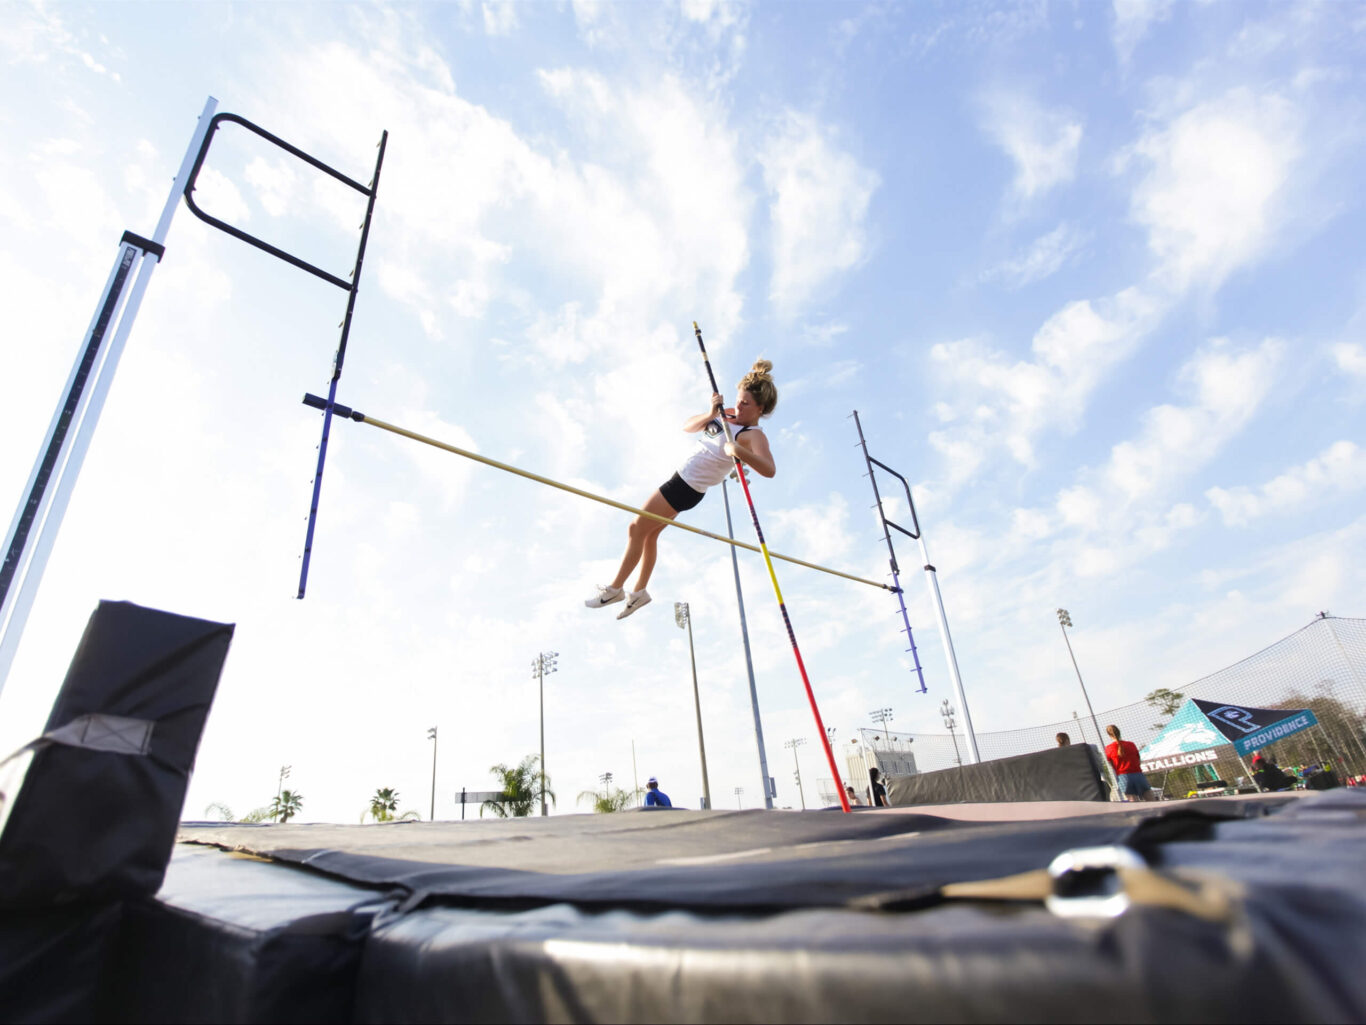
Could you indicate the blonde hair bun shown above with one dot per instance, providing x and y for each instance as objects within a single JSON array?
[{"x": 759, "y": 383}]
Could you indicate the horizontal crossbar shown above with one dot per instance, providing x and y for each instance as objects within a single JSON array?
[{"x": 346, "y": 412}]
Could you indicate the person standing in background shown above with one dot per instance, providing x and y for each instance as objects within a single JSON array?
[
  {"x": 654, "y": 797},
  {"x": 1123, "y": 758},
  {"x": 876, "y": 790}
]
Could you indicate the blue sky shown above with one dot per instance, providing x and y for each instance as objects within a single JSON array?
[{"x": 1092, "y": 274}]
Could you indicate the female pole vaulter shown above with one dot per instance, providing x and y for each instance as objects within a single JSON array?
[{"x": 711, "y": 461}]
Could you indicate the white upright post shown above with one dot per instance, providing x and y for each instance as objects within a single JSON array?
[
  {"x": 44, "y": 507},
  {"x": 932, "y": 579}
]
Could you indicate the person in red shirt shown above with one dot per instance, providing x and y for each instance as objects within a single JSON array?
[{"x": 1123, "y": 758}]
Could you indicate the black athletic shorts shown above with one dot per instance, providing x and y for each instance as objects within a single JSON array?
[{"x": 680, "y": 494}]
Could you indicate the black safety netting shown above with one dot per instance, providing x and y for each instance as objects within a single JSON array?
[{"x": 1321, "y": 667}]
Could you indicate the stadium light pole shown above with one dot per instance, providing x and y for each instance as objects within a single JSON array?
[
  {"x": 738, "y": 791},
  {"x": 635, "y": 776},
  {"x": 795, "y": 743},
  {"x": 946, "y": 710},
  {"x": 431, "y": 735},
  {"x": 1064, "y": 621},
  {"x": 883, "y": 716},
  {"x": 683, "y": 618},
  {"x": 543, "y": 664}
]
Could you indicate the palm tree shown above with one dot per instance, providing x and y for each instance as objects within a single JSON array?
[
  {"x": 384, "y": 808},
  {"x": 266, "y": 811},
  {"x": 287, "y": 805},
  {"x": 521, "y": 786},
  {"x": 609, "y": 799},
  {"x": 383, "y": 805},
  {"x": 219, "y": 812}
]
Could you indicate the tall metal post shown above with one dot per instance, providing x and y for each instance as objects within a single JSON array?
[
  {"x": 59, "y": 461},
  {"x": 635, "y": 776},
  {"x": 946, "y": 710},
  {"x": 431, "y": 735},
  {"x": 795, "y": 743},
  {"x": 683, "y": 617},
  {"x": 749, "y": 662},
  {"x": 1064, "y": 621},
  {"x": 950, "y": 656},
  {"x": 544, "y": 663}
]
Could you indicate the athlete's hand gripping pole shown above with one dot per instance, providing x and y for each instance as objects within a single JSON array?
[{"x": 773, "y": 577}]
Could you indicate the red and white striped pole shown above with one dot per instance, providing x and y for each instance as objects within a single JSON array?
[{"x": 773, "y": 577}]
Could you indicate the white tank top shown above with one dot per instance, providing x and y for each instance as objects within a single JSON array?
[{"x": 709, "y": 464}]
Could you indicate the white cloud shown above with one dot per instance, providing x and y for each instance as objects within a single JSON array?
[
  {"x": 34, "y": 32},
  {"x": 1215, "y": 174},
  {"x": 1229, "y": 388},
  {"x": 1155, "y": 536},
  {"x": 816, "y": 533},
  {"x": 1080, "y": 506},
  {"x": 218, "y": 196},
  {"x": 1209, "y": 202},
  {"x": 1043, "y": 143},
  {"x": 500, "y": 17},
  {"x": 1350, "y": 358},
  {"x": 718, "y": 14},
  {"x": 1339, "y": 468},
  {"x": 276, "y": 183},
  {"x": 1133, "y": 20},
  {"x": 1030, "y": 525},
  {"x": 1045, "y": 256},
  {"x": 1073, "y": 351},
  {"x": 963, "y": 457},
  {"x": 818, "y": 205}
]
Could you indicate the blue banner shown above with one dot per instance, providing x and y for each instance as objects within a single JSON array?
[{"x": 1293, "y": 723}]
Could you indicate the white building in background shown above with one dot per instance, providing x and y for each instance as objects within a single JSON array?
[{"x": 890, "y": 754}]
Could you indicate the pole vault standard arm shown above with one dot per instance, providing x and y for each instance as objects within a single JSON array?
[
  {"x": 932, "y": 582},
  {"x": 891, "y": 550},
  {"x": 250, "y": 239},
  {"x": 351, "y": 287},
  {"x": 910, "y": 502}
]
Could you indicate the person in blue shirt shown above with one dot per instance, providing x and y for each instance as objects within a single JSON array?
[{"x": 654, "y": 797}]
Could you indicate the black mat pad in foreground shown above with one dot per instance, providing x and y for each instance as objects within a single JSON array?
[
  {"x": 1288, "y": 946},
  {"x": 697, "y": 860}
]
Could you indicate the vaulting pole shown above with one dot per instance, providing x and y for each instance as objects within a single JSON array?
[{"x": 773, "y": 577}]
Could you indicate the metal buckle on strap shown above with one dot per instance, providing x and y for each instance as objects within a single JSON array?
[{"x": 1086, "y": 882}]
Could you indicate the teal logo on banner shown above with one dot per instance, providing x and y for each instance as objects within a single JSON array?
[{"x": 1276, "y": 731}]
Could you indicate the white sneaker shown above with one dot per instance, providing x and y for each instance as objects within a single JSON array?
[
  {"x": 635, "y": 601},
  {"x": 605, "y": 596}
]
